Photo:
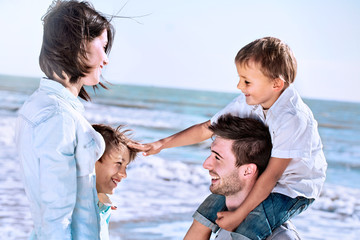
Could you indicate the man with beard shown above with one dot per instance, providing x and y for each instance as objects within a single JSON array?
[{"x": 239, "y": 154}]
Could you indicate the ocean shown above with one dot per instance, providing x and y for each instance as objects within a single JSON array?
[{"x": 161, "y": 192}]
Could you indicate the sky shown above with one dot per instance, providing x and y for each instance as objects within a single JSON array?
[{"x": 192, "y": 44}]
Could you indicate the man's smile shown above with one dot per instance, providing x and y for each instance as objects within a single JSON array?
[{"x": 214, "y": 177}]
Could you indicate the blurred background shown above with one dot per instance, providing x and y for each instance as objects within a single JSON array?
[
  {"x": 192, "y": 44},
  {"x": 172, "y": 66}
]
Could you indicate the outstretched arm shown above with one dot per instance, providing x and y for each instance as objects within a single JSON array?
[
  {"x": 194, "y": 134},
  {"x": 197, "y": 231},
  {"x": 261, "y": 190}
]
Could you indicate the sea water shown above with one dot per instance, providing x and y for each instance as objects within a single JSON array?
[{"x": 161, "y": 192}]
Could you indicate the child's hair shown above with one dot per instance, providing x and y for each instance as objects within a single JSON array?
[
  {"x": 115, "y": 139},
  {"x": 275, "y": 58},
  {"x": 68, "y": 26},
  {"x": 252, "y": 139}
]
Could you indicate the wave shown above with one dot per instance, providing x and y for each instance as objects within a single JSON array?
[
  {"x": 157, "y": 119},
  {"x": 159, "y": 187},
  {"x": 333, "y": 126},
  {"x": 156, "y": 174}
]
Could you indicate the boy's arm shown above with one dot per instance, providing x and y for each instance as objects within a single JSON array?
[
  {"x": 197, "y": 231},
  {"x": 194, "y": 134},
  {"x": 261, "y": 190}
]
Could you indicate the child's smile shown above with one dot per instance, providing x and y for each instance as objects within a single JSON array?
[
  {"x": 111, "y": 170},
  {"x": 257, "y": 88}
]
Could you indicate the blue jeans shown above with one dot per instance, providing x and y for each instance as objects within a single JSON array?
[{"x": 259, "y": 224}]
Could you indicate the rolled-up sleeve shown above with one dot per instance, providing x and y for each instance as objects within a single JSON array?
[{"x": 55, "y": 143}]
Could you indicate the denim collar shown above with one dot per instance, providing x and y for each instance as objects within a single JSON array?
[{"x": 59, "y": 90}]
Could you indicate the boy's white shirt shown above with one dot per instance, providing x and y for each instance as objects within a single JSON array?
[{"x": 294, "y": 135}]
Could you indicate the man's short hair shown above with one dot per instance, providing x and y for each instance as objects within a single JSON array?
[{"x": 252, "y": 139}]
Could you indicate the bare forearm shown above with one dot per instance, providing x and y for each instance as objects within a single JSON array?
[
  {"x": 264, "y": 185},
  {"x": 197, "y": 231},
  {"x": 258, "y": 194},
  {"x": 191, "y": 135}
]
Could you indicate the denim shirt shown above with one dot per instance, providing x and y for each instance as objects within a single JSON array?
[{"x": 58, "y": 149}]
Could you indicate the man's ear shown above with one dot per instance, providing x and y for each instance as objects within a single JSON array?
[
  {"x": 278, "y": 84},
  {"x": 250, "y": 170}
]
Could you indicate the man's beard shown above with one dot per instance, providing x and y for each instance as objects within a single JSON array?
[{"x": 230, "y": 184}]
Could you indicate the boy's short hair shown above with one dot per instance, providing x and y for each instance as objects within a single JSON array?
[
  {"x": 275, "y": 58},
  {"x": 68, "y": 27},
  {"x": 252, "y": 139},
  {"x": 116, "y": 139}
]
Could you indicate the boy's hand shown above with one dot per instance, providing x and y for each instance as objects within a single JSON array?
[
  {"x": 228, "y": 220},
  {"x": 148, "y": 148}
]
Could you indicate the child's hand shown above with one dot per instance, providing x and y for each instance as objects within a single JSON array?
[
  {"x": 147, "y": 149},
  {"x": 228, "y": 220}
]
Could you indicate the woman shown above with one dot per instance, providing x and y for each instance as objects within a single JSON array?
[{"x": 57, "y": 146}]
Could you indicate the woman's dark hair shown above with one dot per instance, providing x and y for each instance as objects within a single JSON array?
[{"x": 68, "y": 26}]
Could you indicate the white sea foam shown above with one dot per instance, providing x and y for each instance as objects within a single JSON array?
[
  {"x": 140, "y": 117},
  {"x": 173, "y": 188},
  {"x": 159, "y": 195}
]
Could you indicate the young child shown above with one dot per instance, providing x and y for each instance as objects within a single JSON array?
[
  {"x": 111, "y": 169},
  {"x": 296, "y": 171},
  {"x": 57, "y": 146}
]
